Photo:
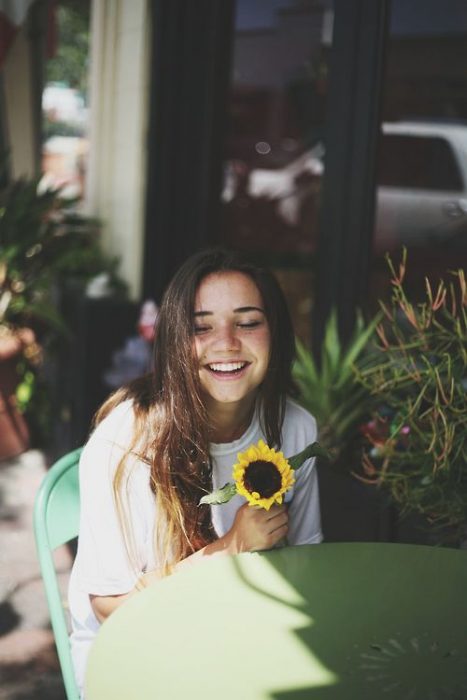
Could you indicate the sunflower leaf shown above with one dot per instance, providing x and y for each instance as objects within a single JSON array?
[
  {"x": 219, "y": 496},
  {"x": 313, "y": 450}
]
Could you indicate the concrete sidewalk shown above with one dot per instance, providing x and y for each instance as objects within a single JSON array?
[{"x": 29, "y": 667}]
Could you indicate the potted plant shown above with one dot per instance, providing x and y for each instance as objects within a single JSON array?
[
  {"x": 418, "y": 434},
  {"x": 42, "y": 241},
  {"x": 329, "y": 389}
]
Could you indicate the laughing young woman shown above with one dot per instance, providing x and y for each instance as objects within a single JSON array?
[{"x": 222, "y": 373}]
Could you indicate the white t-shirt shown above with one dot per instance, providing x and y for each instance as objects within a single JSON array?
[{"x": 102, "y": 566}]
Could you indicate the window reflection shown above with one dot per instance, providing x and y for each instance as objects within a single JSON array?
[
  {"x": 274, "y": 151},
  {"x": 422, "y": 161},
  {"x": 419, "y": 159},
  {"x": 422, "y": 193}
]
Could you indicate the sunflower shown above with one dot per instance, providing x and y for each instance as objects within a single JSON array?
[{"x": 262, "y": 475}]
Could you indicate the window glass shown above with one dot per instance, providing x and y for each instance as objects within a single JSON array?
[
  {"x": 274, "y": 148},
  {"x": 416, "y": 162},
  {"x": 421, "y": 198}
]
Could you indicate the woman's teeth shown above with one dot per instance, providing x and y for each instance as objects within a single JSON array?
[{"x": 227, "y": 366}]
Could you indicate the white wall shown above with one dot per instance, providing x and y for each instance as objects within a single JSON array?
[
  {"x": 119, "y": 92},
  {"x": 19, "y": 108}
]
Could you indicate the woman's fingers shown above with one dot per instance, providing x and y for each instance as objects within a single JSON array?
[
  {"x": 276, "y": 517},
  {"x": 275, "y": 511},
  {"x": 273, "y": 520},
  {"x": 280, "y": 521},
  {"x": 255, "y": 528},
  {"x": 278, "y": 534}
]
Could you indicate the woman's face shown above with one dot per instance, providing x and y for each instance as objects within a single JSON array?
[{"x": 231, "y": 338}]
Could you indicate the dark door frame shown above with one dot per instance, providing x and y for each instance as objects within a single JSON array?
[
  {"x": 190, "y": 72},
  {"x": 348, "y": 193}
]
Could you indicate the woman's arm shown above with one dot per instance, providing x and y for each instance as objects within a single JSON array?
[
  {"x": 253, "y": 529},
  {"x": 103, "y": 606}
]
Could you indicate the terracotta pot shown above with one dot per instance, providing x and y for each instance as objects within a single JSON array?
[{"x": 14, "y": 434}]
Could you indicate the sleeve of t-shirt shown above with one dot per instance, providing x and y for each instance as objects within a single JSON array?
[
  {"x": 106, "y": 564},
  {"x": 304, "y": 510}
]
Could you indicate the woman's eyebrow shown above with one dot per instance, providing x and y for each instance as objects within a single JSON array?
[
  {"x": 245, "y": 309},
  {"x": 240, "y": 310}
]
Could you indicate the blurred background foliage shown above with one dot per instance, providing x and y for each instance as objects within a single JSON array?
[{"x": 46, "y": 248}]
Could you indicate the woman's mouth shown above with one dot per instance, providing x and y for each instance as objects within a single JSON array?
[{"x": 226, "y": 370}]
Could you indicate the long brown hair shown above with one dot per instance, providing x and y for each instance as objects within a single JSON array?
[{"x": 171, "y": 423}]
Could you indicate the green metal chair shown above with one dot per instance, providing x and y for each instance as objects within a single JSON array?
[{"x": 56, "y": 521}]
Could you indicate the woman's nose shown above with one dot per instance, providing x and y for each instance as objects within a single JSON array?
[{"x": 227, "y": 339}]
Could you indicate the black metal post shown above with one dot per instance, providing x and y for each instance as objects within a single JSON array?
[{"x": 347, "y": 214}]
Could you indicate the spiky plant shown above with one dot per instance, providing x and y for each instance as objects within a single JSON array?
[
  {"x": 419, "y": 435},
  {"x": 329, "y": 389}
]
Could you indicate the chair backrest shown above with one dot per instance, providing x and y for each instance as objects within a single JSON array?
[{"x": 56, "y": 521}]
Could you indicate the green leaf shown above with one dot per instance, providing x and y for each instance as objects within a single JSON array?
[
  {"x": 313, "y": 450},
  {"x": 359, "y": 341},
  {"x": 305, "y": 365},
  {"x": 219, "y": 496},
  {"x": 23, "y": 393},
  {"x": 46, "y": 312},
  {"x": 330, "y": 351}
]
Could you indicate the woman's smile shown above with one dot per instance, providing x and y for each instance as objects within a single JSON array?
[{"x": 228, "y": 370}]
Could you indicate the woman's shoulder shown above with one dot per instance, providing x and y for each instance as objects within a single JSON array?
[
  {"x": 112, "y": 439},
  {"x": 117, "y": 426}
]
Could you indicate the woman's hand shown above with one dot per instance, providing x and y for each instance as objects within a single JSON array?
[{"x": 255, "y": 528}]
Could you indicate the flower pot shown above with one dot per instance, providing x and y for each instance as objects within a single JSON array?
[{"x": 14, "y": 434}]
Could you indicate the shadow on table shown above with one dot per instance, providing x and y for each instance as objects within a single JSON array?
[{"x": 390, "y": 621}]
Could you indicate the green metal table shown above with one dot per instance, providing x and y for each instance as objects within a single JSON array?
[{"x": 346, "y": 621}]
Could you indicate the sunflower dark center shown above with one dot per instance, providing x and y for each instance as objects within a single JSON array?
[{"x": 262, "y": 477}]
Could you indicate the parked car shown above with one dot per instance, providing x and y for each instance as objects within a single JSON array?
[{"x": 422, "y": 185}]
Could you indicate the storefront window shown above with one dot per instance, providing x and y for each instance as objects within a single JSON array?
[
  {"x": 422, "y": 163},
  {"x": 274, "y": 151}
]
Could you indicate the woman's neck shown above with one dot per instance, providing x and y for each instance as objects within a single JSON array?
[{"x": 230, "y": 422}]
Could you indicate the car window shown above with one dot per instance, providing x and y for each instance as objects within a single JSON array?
[{"x": 421, "y": 162}]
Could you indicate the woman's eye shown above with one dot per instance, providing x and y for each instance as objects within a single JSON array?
[
  {"x": 200, "y": 329},
  {"x": 249, "y": 324}
]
